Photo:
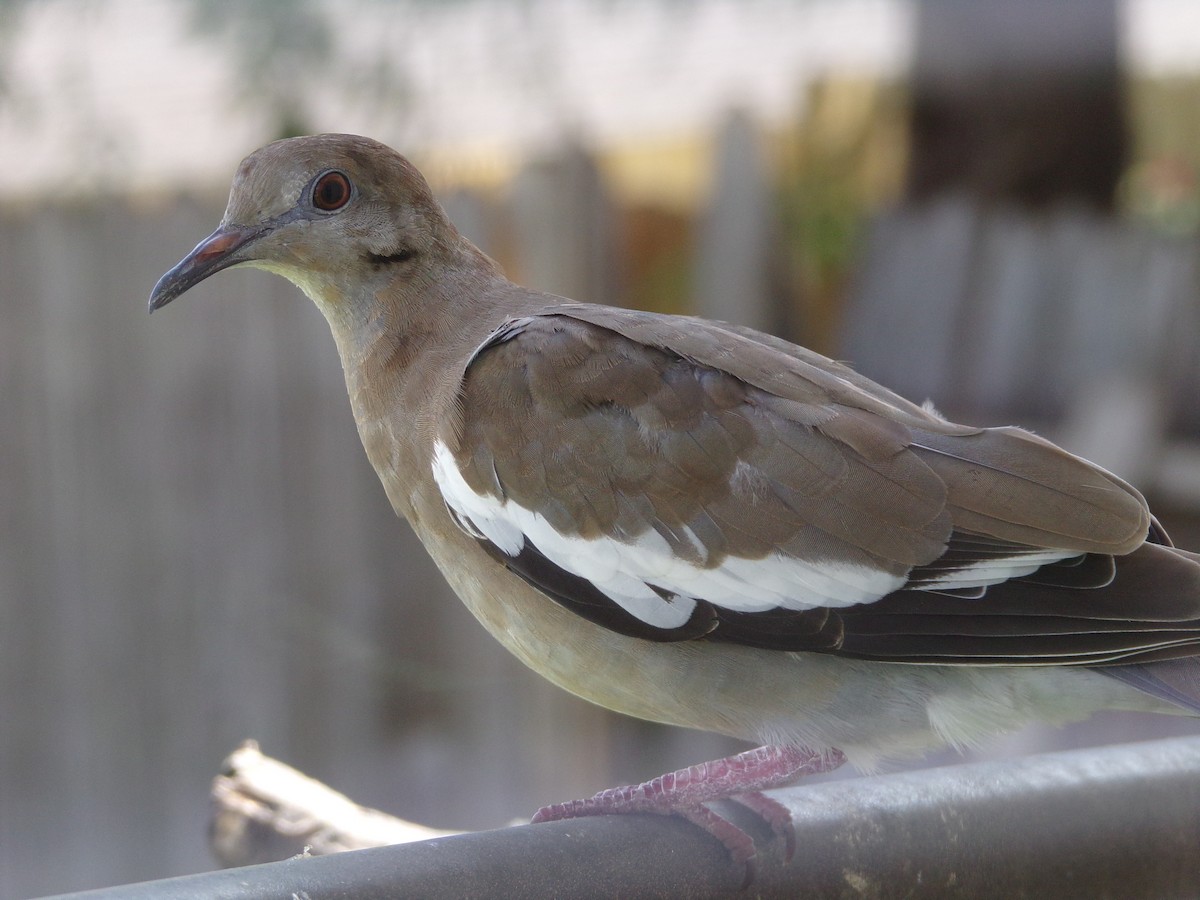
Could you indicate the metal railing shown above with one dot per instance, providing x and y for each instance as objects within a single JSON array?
[{"x": 1121, "y": 821}]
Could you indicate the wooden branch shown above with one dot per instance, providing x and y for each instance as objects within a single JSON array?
[{"x": 264, "y": 811}]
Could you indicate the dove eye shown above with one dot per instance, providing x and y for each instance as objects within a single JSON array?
[{"x": 331, "y": 191}]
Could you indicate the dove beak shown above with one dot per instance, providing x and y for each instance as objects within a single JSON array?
[{"x": 218, "y": 251}]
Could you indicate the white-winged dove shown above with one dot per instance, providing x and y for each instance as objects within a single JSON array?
[{"x": 698, "y": 524}]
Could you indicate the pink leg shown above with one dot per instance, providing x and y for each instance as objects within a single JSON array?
[{"x": 683, "y": 793}]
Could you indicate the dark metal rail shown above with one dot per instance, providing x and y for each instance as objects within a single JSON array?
[{"x": 1121, "y": 822}]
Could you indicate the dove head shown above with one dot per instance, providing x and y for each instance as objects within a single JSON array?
[{"x": 338, "y": 215}]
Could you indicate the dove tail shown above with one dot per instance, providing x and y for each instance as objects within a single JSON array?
[{"x": 1174, "y": 680}]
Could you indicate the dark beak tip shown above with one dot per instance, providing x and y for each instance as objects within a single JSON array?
[
  {"x": 159, "y": 297},
  {"x": 170, "y": 286}
]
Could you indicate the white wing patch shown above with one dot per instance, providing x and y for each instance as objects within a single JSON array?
[
  {"x": 628, "y": 571},
  {"x": 984, "y": 573}
]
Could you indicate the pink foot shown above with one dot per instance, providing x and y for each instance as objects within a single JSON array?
[{"x": 740, "y": 778}]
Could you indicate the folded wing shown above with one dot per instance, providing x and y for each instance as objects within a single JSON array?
[{"x": 675, "y": 479}]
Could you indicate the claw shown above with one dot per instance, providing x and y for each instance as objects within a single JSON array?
[
  {"x": 775, "y": 814},
  {"x": 738, "y": 844}
]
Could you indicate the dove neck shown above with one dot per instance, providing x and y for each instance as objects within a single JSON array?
[{"x": 404, "y": 346}]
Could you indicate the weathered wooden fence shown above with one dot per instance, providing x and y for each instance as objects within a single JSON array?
[
  {"x": 193, "y": 549},
  {"x": 1068, "y": 319}
]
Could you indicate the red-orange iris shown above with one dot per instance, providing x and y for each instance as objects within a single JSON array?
[{"x": 331, "y": 192}]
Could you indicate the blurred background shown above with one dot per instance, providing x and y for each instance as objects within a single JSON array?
[{"x": 991, "y": 205}]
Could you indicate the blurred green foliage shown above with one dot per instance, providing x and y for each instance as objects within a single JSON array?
[
  {"x": 841, "y": 163},
  {"x": 1162, "y": 186}
]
